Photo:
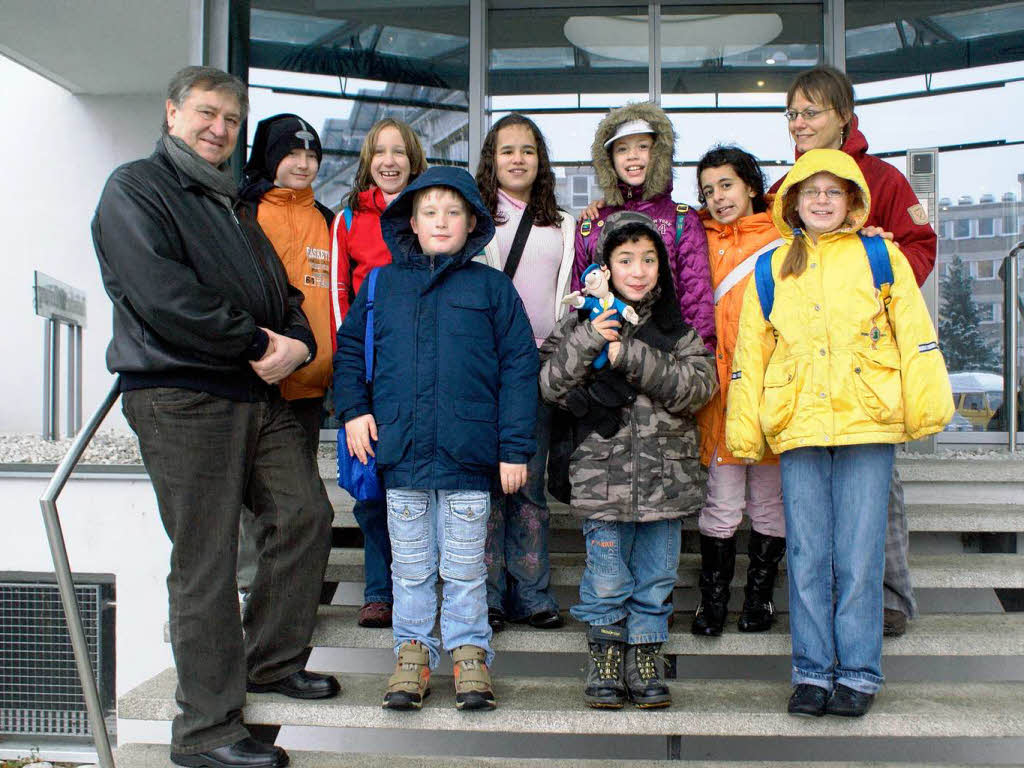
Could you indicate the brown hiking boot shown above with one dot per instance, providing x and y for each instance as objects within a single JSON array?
[
  {"x": 375, "y": 615},
  {"x": 410, "y": 684},
  {"x": 472, "y": 679}
]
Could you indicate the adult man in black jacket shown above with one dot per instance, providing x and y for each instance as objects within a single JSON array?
[{"x": 205, "y": 326}]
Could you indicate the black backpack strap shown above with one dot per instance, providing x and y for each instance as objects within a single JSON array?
[{"x": 518, "y": 244}]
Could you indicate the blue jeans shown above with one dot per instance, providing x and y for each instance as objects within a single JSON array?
[
  {"x": 836, "y": 501},
  {"x": 630, "y": 573},
  {"x": 518, "y": 565},
  {"x": 429, "y": 528},
  {"x": 373, "y": 521}
]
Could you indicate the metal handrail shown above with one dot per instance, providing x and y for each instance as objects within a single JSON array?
[
  {"x": 62, "y": 568},
  {"x": 1010, "y": 303}
]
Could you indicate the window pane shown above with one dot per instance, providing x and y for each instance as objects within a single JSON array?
[
  {"x": 343, "y": 70},
  {"x": 725, "y": 72}
]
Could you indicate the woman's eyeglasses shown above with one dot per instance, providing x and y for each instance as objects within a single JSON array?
[{"x": 807, "y": 114}]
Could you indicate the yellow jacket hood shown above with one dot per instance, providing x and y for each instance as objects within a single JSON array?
[{"x": 831, "y": 161}]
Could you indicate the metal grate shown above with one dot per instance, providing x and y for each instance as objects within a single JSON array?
[{"x": 39, "y": 689}]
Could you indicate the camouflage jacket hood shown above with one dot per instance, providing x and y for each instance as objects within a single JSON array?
[{"x": 650, "y": 468}]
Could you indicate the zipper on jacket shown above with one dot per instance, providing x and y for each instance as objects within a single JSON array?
[
  {"x": 255, "y": 263},
  {"x": 635, "y": 441}
]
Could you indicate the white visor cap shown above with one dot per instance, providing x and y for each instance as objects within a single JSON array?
[{"x": 631, "y": 128}]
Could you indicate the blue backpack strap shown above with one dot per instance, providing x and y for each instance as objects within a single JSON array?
[
  {"x": 368, "y": 338},
  {"x": 347, "y": 214},
  {"x": 765, "y": 282},
  {"x": 681, "y": 209},
  {"x": 881, "y": 267}
]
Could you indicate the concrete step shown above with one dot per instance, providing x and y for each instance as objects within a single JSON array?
[
  {"x": 155, "y": 756},
  {"x": 984, "y": 634},
  {"x": 955, "y": 517},
  {"x": 702, "y": 707},
  {"x": 927, "y": 571}
]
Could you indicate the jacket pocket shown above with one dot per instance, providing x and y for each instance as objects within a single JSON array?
[
  {"x": 876, "y": 375},
  {"x": 469, "y": 315},
  {"x": 589, "y": 469},
  {"x": 393, "y": 436},
  {"x": 778, "y": 400},
  {"x": 472, "y": 441},
  {"x": 684, "y": 480}
]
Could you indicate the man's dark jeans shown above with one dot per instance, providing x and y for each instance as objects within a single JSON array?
[{"x": 208, "y": 456}]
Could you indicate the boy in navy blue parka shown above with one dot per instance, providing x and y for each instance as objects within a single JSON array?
[{"x": 453, "y": 404}]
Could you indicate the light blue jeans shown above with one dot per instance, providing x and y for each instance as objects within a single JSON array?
[
  {"x": 836, "y": 502},
  {"x": 434, "y": 531},
  {"x": 630, "y": 572}
]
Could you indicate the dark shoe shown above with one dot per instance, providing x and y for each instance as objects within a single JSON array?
[
  {"x": 807, "y": 701},
  {"x": 758, "y": 612},
  {"x": 245, "y": 753},
  {"x": 717, "y": 563},
  {"x": 644, "y": 673},
  {"x": 299, "y": 685},
  {"x": 496, "y": 619},
  {"x": 846, "y": 702},
  {"x": 375, "y": 615},
  {"x": 546, "y": 620},
  {"x": 604, "y": 687},
  {"x": 894, "y": 623}
]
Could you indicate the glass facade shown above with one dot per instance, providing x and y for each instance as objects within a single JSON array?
[{"x": 943, "y": 78}]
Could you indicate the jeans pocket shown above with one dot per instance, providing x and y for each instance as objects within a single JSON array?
[
  {"x": 175, "y": 398},
  {"x": 409, "y": 529},
  {"x": 465, "y": 533},
  {"x": 603, "y": 556}
]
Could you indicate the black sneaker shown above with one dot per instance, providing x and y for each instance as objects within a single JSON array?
[
  {"x": 604, "y": 687},
  {"x": 847, "y": 702},
  {"x": 644, "y": 672},
  {"x": 808, "y": 701}
]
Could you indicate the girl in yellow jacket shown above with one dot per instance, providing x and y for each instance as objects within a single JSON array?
[{"x": 834, "y": 370}]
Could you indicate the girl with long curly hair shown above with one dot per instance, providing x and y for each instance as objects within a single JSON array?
[{"x": 534, "y": 246}]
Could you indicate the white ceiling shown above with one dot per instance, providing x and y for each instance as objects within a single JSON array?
[{"x": 99, "y": 46}]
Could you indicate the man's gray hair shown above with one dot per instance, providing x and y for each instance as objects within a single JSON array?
[{"x": 206, "y": 79}]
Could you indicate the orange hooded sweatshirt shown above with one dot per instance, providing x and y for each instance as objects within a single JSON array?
[
  {"x": 299, "y": 234},
  {"x": 729, "y": 245}
]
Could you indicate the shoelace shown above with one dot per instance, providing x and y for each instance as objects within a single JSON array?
[
  {"x": 607, "y": 659},
  {"x": 646, "y": 658}
]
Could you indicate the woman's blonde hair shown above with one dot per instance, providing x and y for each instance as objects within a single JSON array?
[{"x": 413, "y": 149}]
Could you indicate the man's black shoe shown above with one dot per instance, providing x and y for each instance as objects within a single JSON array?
[
  {"x": 846, "y": 702},
  {"x": 245, "y": 753},
  {"x": 808, "y": 701},
  {"x": 299, "y": 685},
  {"x": 894, "y": 623}
]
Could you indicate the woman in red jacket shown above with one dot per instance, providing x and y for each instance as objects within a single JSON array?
[
  {"x": 819, "y": 109},
  {"x": 391, "y": 157}
]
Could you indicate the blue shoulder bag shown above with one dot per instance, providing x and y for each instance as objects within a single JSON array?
[{"x": 362, "y": 481}]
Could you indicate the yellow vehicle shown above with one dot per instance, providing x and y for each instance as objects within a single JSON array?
[{"x": 976, "y": 396}]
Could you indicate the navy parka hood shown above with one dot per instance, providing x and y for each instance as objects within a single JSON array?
[{"x": 397, "y": 231}]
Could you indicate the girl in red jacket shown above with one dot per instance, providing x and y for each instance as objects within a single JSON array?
[{"x": 391, "y": 157}]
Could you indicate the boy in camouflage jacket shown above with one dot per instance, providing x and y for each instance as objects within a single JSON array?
[{"x": 635, "y": 470}]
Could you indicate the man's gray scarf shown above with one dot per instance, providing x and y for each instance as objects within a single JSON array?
[{"x": 216, "y": 181}]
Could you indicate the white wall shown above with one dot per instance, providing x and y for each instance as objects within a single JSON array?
[{"x": 59, "y": 149}]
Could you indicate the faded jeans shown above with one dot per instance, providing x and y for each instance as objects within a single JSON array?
[
  {"x": 630, "y": 573},
  {"x": 206, "y": 457},
  {"x": 836, "y": 501},
  {"x": 439, "y": 532}
]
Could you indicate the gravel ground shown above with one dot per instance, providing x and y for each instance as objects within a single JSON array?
[{"x": 109, "y": 447}]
